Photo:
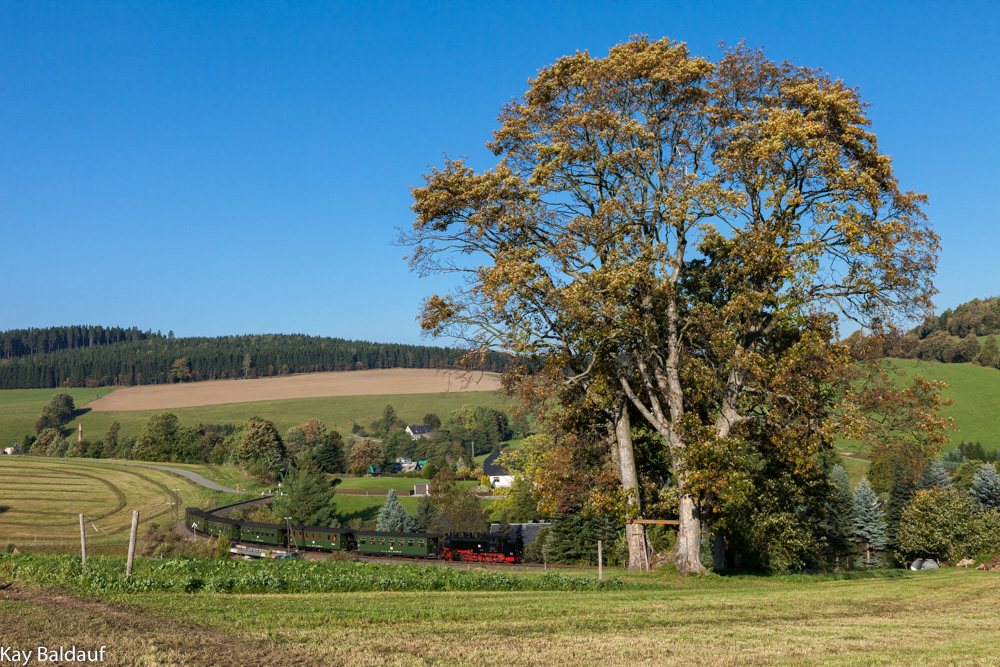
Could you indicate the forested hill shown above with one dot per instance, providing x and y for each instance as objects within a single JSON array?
[
  {"x": 99, "y": 356},
  {"x": 980, "y": 317},
  {"x": 28, "y": 342}
]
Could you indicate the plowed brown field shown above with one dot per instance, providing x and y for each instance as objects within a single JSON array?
[{"x": 309, "y": 385}]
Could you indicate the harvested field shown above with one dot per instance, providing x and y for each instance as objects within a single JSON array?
[
  {"x": 310, "y": 385},
  {"x": 42, "y": 499}
]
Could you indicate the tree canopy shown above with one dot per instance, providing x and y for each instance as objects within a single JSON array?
[{"x": 680, "y": 237}]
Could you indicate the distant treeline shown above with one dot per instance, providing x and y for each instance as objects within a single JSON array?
[
  {"x": 980, "y": 317},
  {"x": 97, "y": 357},
  {"x": 952, "y": 337},
  {"x": 27, "y": 342}
]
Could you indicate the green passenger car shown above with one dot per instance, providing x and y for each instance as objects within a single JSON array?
[
  {"x": 327, "y": 539},
  {"x": 264, "y": 533},
  {"x": 423, "y": 545},
  {"x": 221, "y": 526}
]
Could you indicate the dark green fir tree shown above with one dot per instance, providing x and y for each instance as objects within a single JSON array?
[
  {"x": 838, "y": 525},
  {"x": 329, "y": 454},
  {"x": 901, "y": 493},
  {"x": 308, "y": 499}
]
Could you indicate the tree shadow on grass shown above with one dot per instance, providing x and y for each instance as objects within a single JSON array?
[
  {"x": 4, "y": 508},
  {"x": 367, "y": 514}
]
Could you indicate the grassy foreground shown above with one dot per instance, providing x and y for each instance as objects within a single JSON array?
[{"x": 943, "y": 617}]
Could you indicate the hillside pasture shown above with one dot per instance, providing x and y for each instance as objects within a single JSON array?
[
  {"x": 20, "y": 408},
  {"x": 975, "y": 391},
  {"x": 42, "y": 498},
  {"x": 337, "y": 412}
]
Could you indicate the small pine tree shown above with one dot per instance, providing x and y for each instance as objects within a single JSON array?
[
  {"x": 986, "y": 488},
  {"x": 934, "y": 477},
  {"x": 869, "y": 526},
  {"x": 393, "y": 517}
]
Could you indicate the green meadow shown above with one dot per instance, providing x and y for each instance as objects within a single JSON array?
[
  {"x": 975, "y": 391},
  {"x": 19, "y": 408}
]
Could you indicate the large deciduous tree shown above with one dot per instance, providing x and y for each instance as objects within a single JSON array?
[{"x": 680, "y": 236}]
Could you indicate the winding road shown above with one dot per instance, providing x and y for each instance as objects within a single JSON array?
[{"x": 194, "y": 477}]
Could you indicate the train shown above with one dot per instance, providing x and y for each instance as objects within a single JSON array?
[{"x": 454, "y": 546}]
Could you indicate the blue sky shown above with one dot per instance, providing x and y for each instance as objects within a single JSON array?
[{"x": 228, "y": 168}]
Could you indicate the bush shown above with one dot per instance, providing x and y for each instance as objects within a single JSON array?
[{"x": 940, "y": 524}]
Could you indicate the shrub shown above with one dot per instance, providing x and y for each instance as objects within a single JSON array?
[{"x": 938, "y": 523}]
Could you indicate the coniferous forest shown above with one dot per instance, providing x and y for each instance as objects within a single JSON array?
[{"x": 95, "y": 356}]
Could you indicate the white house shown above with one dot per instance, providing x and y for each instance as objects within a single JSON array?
[
  {"x": 499, "y": 476},
  {"x": 419, "y": 431}
]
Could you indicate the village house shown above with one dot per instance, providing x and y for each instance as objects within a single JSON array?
[
  {"x": 499, "y": 476},
  {"x": 419, "y": 431}
]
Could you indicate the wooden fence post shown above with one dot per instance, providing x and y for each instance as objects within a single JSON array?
[
  {"x": 83, "y": 542},
  {"x": 131, "y": 542},
  {"x": 600, "y": 561}
]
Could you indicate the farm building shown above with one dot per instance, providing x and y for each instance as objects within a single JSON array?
[{"x": 419, "y": 431}]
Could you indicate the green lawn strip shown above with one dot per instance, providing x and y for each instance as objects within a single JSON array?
[
  {"x": 401, "y": 484},
  {"x": 930, "y": 617}
]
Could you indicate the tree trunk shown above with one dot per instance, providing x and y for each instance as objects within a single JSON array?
[
  {"x": 635, "y": 534},
  {"x": 687, "y": 550}
]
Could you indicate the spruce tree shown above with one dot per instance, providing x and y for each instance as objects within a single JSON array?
[
  {"x": 393, "y": 517},
  {"x": 308, "y": 499},
  {"x": 329, "y": 454},
  {"x": 934, "y": 477},
  {"x": 838, "y": 526},
  {"x": 565, "y": 543},
  {"x": 427, "y": 515},
  {"x": 986, "y": 488},
  {"x": 900, "y": 494},
  {"x": 869, "y": 526}
]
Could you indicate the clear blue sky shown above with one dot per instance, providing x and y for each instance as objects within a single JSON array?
[{"x": 228, "y": 168}]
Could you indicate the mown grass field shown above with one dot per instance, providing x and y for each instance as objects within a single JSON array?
[
  {"x": 943, "y": 617},
  {"x": 40, "y": 500}
]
